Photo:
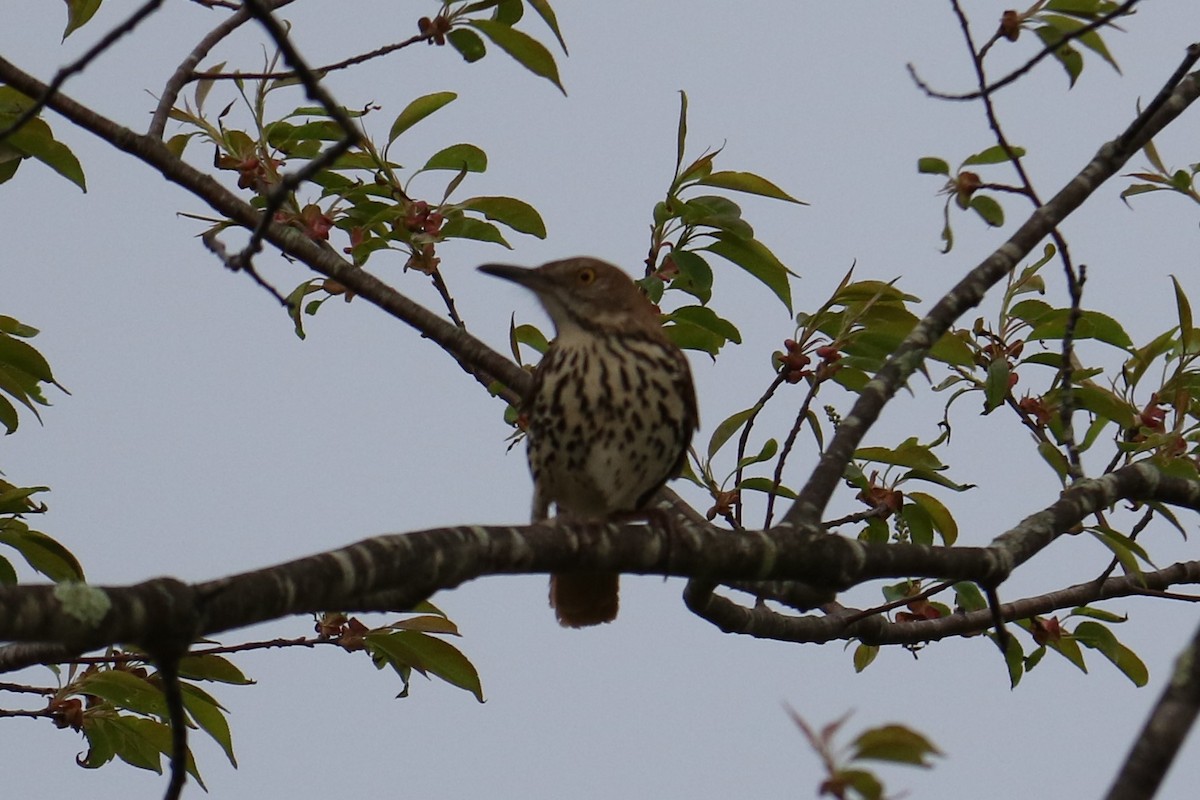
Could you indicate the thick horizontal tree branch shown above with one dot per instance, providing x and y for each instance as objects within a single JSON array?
[{"x": 403, "y": 569}]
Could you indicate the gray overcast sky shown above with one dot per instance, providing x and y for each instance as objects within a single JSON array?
[{"x": 202, "y": 438}]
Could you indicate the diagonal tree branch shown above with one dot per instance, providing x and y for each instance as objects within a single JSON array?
[
  {"x": 151, "y": 151},
  {"x": 968, "y": 293},
  {"x": 1164, "y": 732},
  {"x": 403, "y": 569}
]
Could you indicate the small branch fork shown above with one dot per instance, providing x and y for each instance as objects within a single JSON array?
[{"x": 1048, "y": 50}]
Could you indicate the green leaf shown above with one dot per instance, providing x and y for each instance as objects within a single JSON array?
[
  {"x": 418, "y": 110},
  {"x": 997, "y": 384},
  {"x": 528, "y": 52},
  {"x": 542, "y": 7},
  {"x": 864, "y": 782},
  {"x": 939, "y": 515},
  {"x": 467, "y": 43},
  {"x": 688, "y": 336},
  {"x": 458, "y": 156},
  {"x": 25, "y": 357},
  {"x": 1105, "y": 404},
  {"x": 729, "y": 426},
  {"x": 894, "y": 743},
  {"x": 769, "y": 449},
  {"x": 1187, "y": 333},
  {"x": 716, "y": 212},
  {"x": 1090, "y": 325},
  {"x": 1098, "y": 613},
  {"x": 210, "y": 716},
  {"x": 695, "y": 275},
  {"x": 930, "y": 165},
  {"x": 988, "y": 209},
  {"x": 707, "y": 319},
  {"x": 530, "y": 336},
  {"x": 968, "y": 597},
  {"x": 8, "y": 575},
  {"x": 35, "y": 139},
  {"x": 766, "y": 486},
  {"x": 749, "y": 183},
  {"x": 920, "y": 526},
  {"x": 1054, "y": 457},
  {"x": 428, "y": 623},
  {"x": 1126, "y": 550},
  {"x": 211, "y": 667},
  {"x": 40, "y": 551},
  {"x": 124, "y": 690},
  {"x": 516, "y": 214},
  {"x": 681, "y": 133},
  {"x": 427, "y": 655},
  {"x": 754, "y": 257},
  {"x": 1091, "y": 39},
  {"x": 1067, "y": 56},
  {"x": 1098, "y": 637},
  {"x": 864, "y": 654},
  {"x": 78, "y": 14},
  {"x": 909, "y": 453},
  {"x": 993, "y": 155},
  {"x": 8, "y": 416},
  {"x": 470, "y": 228},
  {"x": 1014, "y": 657}
]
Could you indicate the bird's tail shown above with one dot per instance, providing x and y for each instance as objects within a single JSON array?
[{"x": 580, "y": 599}]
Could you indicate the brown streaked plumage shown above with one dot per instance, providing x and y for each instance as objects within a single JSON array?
[{"x": 610, "y": 415}]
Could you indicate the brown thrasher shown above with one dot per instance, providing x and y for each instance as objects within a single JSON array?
[{"x": 610, "y": 415}]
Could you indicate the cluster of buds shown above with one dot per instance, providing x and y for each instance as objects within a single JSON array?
[
  {"x": 254, "y": 173},
  {"x": 1045, "y": 631},
  {"x": 1010, "y": 24},
  {"x": 1152, "y": 418},
  {"x": 434, "y": 29},
  {"x": 793, "y": 362},
  {"x": 1036, "y": 409},
  {"x": 348, "y": 632},
  {"x": 881, "y": 497},
  {"x": 423, "y": 259},
  {"x": 963, "y": 186},
  {"x": 919, "y": 609},
  {"x": 420, "y": 218},
  {"x": 724, "y": 503},
  {"x": 66, "y": 712},
  {"x": 315, "y": 223}
]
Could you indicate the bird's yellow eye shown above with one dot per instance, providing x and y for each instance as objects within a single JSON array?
[{"x": 586, "y": 276}]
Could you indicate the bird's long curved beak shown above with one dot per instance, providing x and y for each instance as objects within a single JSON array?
[{"x": 524, "y": 276}]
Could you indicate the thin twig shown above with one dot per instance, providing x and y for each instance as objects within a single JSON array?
[
  {"x": 1066, "y": 371},
  {"x": 937, "y": 588},
  {"x": 801, "y": 415},
  {"x": 322, "y": 71},
  {"x": 1074, "y": 282},
  {"x": 439, "y": 283},
  {"x": 236, "y": 264},
  {"x": 1049, "y": 49},
  {"x": 860, "y": 516},
  {"x": 184, "y": 72},
  {"x": 745, "y": 437},
  {"x": 317, "y": 93},
  {"x": 79, "y": 64}
]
